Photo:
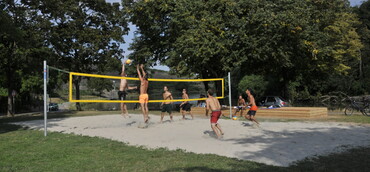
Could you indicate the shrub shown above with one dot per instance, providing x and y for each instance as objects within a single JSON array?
[{"x": 255, "y": 82}]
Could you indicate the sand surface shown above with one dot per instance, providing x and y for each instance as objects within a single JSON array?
[{"x": 274, "y": 143}]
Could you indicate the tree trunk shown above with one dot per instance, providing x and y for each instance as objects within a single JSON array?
[
  {"x": 206, "y": 87},
  {"x": 361, "y": 66},
  {"x": 218, "y": 90},
  {"x": 218, "y": 86},
  {"x": 10, "y": 103},
  {"x": 9, "y": 80},
  {"x": 77, "y": 86},
  {"x": 285, "y": 90},
  {"x": 10, "y": 97}
]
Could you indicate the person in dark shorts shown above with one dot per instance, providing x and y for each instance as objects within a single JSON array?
[
  {"x": 241, "y": 106},
  {"x": 122, "y": 95},
  {"x": 253, "y": 109},
  {"x": 185, "y": 105},
  {"x": 122, "y": 92},
  {"x": 166, "y": 106}
]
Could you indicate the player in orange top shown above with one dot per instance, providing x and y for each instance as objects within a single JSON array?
[
  {"x": 253, "y": 110},
  {"x": 144, "y": 97}
]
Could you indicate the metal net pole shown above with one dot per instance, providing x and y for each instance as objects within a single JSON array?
[
  {"x": 45, "y": 99},
  {"x": 229, "y": 77}
]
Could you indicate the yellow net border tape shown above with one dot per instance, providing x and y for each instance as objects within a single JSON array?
[{"x": 131, "y": 78}]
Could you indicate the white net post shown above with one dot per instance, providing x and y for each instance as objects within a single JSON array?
[
  {"x": 45, "y": 98},
  {"x": 229, "y": 77}
]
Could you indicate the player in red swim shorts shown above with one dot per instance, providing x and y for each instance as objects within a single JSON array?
[
  {"x": 214, "y": 105},
  {"x": 215, "y": 115}
]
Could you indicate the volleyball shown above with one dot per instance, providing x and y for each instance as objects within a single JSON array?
[
  {"x": 128, "y": 61},
  {"x": 235, "y": 118}
]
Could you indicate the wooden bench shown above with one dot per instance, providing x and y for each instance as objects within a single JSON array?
[{"x": 284, "y": 112}]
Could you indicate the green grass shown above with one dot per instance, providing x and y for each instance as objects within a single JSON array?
[
  {"x": 22, "y": 149},
  {"x": 28, "y": 150},
  {"x": 338, "y": 117},
  {"x": 361, "y": 119},
  {"x": 356, "y": 160}
]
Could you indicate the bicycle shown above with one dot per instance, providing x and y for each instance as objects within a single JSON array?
[{"x": 355, "y": 106}]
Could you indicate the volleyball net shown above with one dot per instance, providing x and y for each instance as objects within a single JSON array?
[
  {"x": 96, "y": 88},
  {"x": 102, "y": 90}
]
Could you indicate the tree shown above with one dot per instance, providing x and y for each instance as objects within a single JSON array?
[
  {"x": 188, "y": 36},
  {"x": 305, "y": 42},
  {"x": 8, "y": 32},
  {"x": 363, "y": 13},
  {"x": 335, "y": 46},
  {"x": 21, "y": 45},
  {"x": 282, "y": 39},
  {"x": 99, "y": 85},
  {"x": 302, "y": 42},
  {"x": 84, "y": 34},
  {"x": 254, "y": 82}
]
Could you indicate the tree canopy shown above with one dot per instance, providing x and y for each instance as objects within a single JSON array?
[
  {"x": 299, "y": 48},
  {"x": 21, "y": 49},
  {"x": 284, "y": 39},
  {"x": 74, "y": 35}
]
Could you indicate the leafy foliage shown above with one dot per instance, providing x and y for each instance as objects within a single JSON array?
[
  {"x": 21, "y": 46},
  {"x": 99, "y": 85},
  {"x": 75, "y": 35},
  {"x": 254, "y": 82},
  {"x": 284, "y": 39},
  {"x": 85, "y": 35},
  {"x": 363, "y": 13},
  {"x": 302, "y": 48}
]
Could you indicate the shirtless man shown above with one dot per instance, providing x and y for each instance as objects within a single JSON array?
[
  {"x": 253, "y": 110},
  {"x": 122, "y": 92},
  {"x": 185, "y": 105},
  {"x": 214, "y": 105},
  {"x": 166, "y": 106},
  {"x": 144, "y": 97},
  {"x": 241, "y": 106}
]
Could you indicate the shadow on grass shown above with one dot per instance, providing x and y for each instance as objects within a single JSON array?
[
  {"x": 5, "y": 128},
  {"x": 192, "y": 169},
  {"x": 37, "y": 116},
  {"x": 233, "y": 167},
  {"x": 355, "y": 159}
]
